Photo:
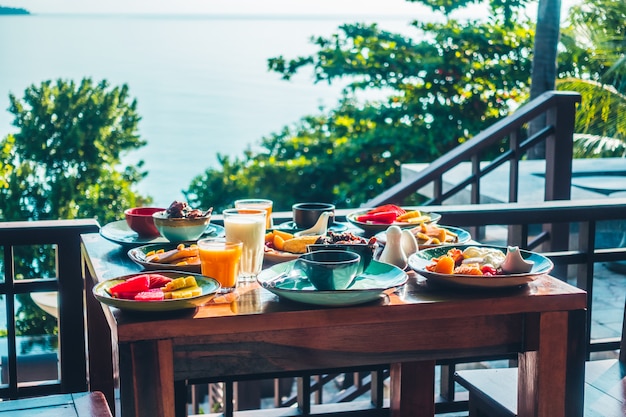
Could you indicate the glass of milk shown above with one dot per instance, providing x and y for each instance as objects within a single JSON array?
[{"x": 247, "y": 226}]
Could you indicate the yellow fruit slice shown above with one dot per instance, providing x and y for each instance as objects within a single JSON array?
[
  {"x": 298, "y": 244},
  {"x": 278, "y": 242},
  {"x": 284, "y": 235},
  {"x": 175, "y": 284},
  {"x": 186, "y": 292}
]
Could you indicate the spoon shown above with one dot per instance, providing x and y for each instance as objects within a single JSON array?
[{"x": 320, "y": 227}]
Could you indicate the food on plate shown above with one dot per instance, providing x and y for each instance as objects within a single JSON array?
[
  {"x": 431, "y": 234},
  {"x": 299, "y": 244},
  {"x": 390, "y": 213},
  {"x": 343, "y": 238},
  {"x": 276, "y": 239},
  {"x": 182, "y": 210},
  {"x": 155, "y": 287},
  {"x": 476, "y": 260},
  {"x": 287, "y": 242},
  {"x": 182, "y": 255}
]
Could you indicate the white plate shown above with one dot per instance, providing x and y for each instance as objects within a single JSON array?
[
  {"x": 419, "y": 261},
  {"x": 377, "y": 279}
]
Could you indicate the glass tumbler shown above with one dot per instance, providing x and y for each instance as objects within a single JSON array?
[
  {"x": 247, "y": 226},
  {"x": 220, "y": 260},
  {"x": 259, "y": 204}
]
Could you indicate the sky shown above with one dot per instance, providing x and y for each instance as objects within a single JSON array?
[
  {"x": 378, "y": 8},
  {"x": 382, "y": 7}
]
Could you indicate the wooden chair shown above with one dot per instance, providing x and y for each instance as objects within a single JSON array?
[
  {"x": 48, "y": 383},
  {"x": 493, "y": 392},
  {"x": 84, "y": 404}
]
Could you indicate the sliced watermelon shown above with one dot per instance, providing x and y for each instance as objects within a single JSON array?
[
  {"x": 125, "y": 295},
  {"x": 154, "y": 294},
  {"x": 135, "y": 285},
  {"x": 158, "y": 280}
]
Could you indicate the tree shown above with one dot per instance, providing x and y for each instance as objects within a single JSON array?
[
  {"x": 64, "y": 162},
  {"x": 452, "y": 83},
  {"x": 543, "y": 75},
  {"x": 594, "y": 64}
]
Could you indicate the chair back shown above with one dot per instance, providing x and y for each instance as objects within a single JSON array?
[{"x": 43, "y": 350}]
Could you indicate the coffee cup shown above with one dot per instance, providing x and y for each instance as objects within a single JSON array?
[
  {"x": 329, "y": 269},
  {"x": 305, "y": 215},
  {"x": 364, "y": 250}
]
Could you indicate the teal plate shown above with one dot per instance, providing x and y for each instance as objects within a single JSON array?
[
  {"x": 419, "y": 261},
  {"x": 119, "y": 232},
  {"x": 377, "y": 227},
  {"x": 369, "y": 286},
  {"x": 209, "y": 287},
  {"x": 138, "y": 255}
]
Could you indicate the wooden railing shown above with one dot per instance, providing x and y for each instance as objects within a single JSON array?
[{"x": 58, "y": 242}]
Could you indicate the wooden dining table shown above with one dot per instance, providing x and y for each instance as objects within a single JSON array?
[{"x": 408, "y": 329}]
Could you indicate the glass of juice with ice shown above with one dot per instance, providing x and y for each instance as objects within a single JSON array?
[{"x": 220, "y": 259}]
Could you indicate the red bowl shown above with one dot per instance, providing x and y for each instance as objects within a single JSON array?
[{"x": 140, "y": 220}]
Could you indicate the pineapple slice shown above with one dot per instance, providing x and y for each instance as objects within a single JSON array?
[
  {"x": 183, "y": 287},
  {"x": 186, "y": 292}
]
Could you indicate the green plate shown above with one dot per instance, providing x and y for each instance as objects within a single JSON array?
[
  {"x": 138, "y": 255},
  {"x": 419, "y": 260},
  {"x": 119, "y": 232},
  {"x": 209, "y": 287},
  {"x": 369, "y": 286},
  {"x": 377, "y": 227}
]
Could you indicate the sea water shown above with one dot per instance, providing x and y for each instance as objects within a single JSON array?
[{"x": 201, "y": 82}]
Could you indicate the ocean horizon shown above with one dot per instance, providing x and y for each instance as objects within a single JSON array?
[{"x": 201, "y": 82}]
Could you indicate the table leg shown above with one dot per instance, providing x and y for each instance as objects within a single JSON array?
[
  {"x": 412, "y": 389},
  {"x": 551, "y": 370},
  {"x": 147, "y": 379},
  {"x": 102, "y": 348}
]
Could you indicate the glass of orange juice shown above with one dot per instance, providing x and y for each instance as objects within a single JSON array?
[
  {"x": 220, "y": 260},
  {"x": 258, "y": 204}
]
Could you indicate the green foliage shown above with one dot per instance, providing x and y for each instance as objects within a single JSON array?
[
  {"x": 441, "y": 91},
  {"x": 64, "y": 161},
  {"x": 594, "y": 64}
]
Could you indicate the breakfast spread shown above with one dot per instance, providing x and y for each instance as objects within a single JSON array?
[
  {"x": 182, "y": 210},
  {"x": 155, "y": 287},
  {"x": 181, "y": 255},
  {"x": 431, "y": 234},
  {"x": 476, "y": 260},
  {"x": 287, "y": 242},
  {"x": 390, "y": 213}
]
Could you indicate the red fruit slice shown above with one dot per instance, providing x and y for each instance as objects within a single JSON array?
[
  {"x": 158, "y": 280},
  {"x": 135, "y": 284},
  {"x": 127, "y": 295},
  {"x": 150, "y": 295},
  {"x": 383, "y": 217}
]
